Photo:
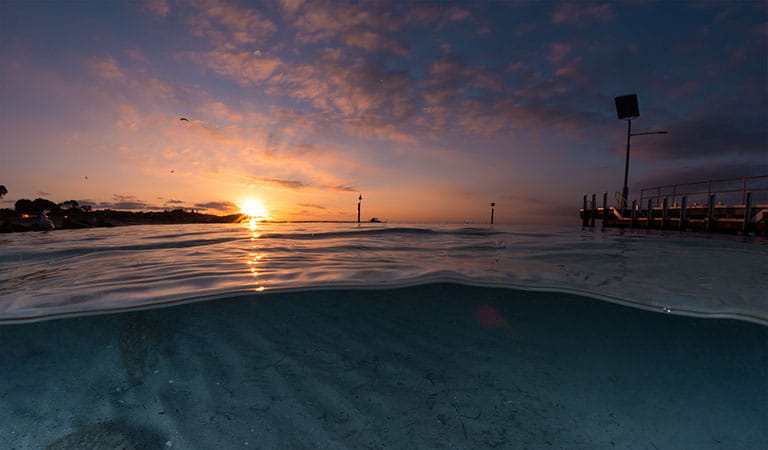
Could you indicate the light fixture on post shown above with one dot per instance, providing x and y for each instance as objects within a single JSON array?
[{"x": 627, "y": 108}]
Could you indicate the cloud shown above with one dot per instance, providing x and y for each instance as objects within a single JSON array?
[
  {"x": 294, "y": 185},
  {"x": 706, "y": 136},
  {"x": 137, "y": 56},
  {"x": 218, "y": 206},
  {"x": 298, "y": 185},
  {"x": 125, "y": 202},
  {"x": 199, "y": 130},
  {"x": 291, "y": 5},
  {"x": 324, "y": 21},
  {"x": 222, "y": 112},
  {"x": 128, "y": 116},
  {"x": 345, "y": 188},
  {"x": 312, "y": 205},
  {"x": 684, "y": 89},
  {"x": 439, "y": 14},
  {"x": 249, "y": 68},
  {"x": 558, "y": 51},
  {"x": 131, "y": 203},
  {"x": 104, "y": 67},
  {"x": 702, "y": 172},
  {"x": 572, "y": 70},
  {"x": 374, "y": 42},
  {"x": 350, "y": 94},
  {"x": 492, "y": 118},
  {"x": 290, "y": 184},
  {"x": 453, "y": 73},
  {"x": 225, "y": 24},
  {"x": 158, "y": 8},
  {"x": 582, "y": 13},
  {"x": 367, "y": 26},
  {"x": 159, "y": 89}
]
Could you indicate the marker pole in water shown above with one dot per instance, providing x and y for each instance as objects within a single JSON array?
[
  {"x": 492, "y": 205},
  {"x": 359, "y": 199}
]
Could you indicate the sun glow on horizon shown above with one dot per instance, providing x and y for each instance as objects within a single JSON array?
[{"x": 253, "y": 208}]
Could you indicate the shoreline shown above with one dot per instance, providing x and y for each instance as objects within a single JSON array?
[
  {"x": 14, "y": 222},
  {"x": 21, "y": 223}
]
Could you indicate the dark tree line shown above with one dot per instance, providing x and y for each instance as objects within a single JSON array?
[
  {"x": 38, "y": 205},
  {"x": 71, "y": 215}
]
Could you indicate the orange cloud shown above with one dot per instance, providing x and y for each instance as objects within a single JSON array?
[
  {"x": 222, "y": 112},
  {"x": 356, "y": 25},
  {"x": 368, "y": 40},
  {"x": 226, "y": 24},
  {"x": 245, "y": 67}
]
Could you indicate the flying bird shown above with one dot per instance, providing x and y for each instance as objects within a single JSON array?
[{"x": 184, "y": 119}]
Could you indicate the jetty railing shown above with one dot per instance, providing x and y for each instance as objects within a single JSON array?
[
  {"x": 728, "y": 190},
  {"x": 727, "y": 205}
]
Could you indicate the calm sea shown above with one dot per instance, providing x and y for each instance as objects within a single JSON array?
[
  {"x": 74, "y": 272},
  {"x": 292, "y": 336}
]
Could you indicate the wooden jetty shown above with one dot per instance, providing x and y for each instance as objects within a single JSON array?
[{"x": 672, "y": 208}]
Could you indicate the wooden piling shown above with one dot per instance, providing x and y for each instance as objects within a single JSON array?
[
  {"x": 633, "y": 215},
  {"x": 649, "y": 220},
  {"x": 684, "y": 213},
  {"x": 664, "y": 214},
  {"x": 747, "y": 213},
  {"x": 594, "y": 212},
  {"x": 605, "y": 209},
  {"x": 585, "y": 217},
  {"x": 711, "y": 213}
]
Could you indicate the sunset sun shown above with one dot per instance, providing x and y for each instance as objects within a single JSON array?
[{"x": 253, "y": 208}]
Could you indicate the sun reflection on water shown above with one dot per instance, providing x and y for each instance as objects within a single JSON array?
[{"x": 254, "y": 257}]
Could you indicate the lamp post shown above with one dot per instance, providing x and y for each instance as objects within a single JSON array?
[{"x": 627, "y": 108}]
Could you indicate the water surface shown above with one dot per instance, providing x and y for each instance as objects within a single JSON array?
[{"x": 71, "y": 272}]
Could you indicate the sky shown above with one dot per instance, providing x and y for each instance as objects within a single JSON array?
[{"x": 429, "y": 110}]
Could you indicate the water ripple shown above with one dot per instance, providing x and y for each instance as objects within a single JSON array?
[{"x": 75, "y": 272}]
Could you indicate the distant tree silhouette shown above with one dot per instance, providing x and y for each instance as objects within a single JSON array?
[
  {"x": 3, "y": 190},
  {"x": 70, "y": 205},
  {"x": 42, "y": 204},
  {"x": 23, "y": 206}
]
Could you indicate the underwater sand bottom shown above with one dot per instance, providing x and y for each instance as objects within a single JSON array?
[{"x": 438, "y": 366}]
